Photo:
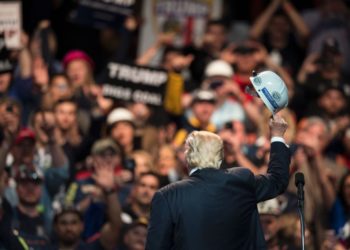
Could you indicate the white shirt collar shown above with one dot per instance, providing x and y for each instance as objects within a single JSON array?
[{"x": 193, "y": 170}]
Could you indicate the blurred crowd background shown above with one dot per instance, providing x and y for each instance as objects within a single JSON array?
[{"x": 78, "y": 170}]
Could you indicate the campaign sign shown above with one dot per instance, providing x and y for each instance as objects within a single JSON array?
[
  {"x": 10, "y": 23},
  {"x": 102, "y": 13},
  {"x": 132, "y": 83}
]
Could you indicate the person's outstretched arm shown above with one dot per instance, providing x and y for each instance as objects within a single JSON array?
[
  {"x": 275, "y": 181},
  {"x": 296, "y": 19},
  {"x": 104, "y": 178},
  {"x": 262, "y": 21}
]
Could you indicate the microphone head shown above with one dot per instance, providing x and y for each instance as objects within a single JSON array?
[{"x": 299, "y": 179}]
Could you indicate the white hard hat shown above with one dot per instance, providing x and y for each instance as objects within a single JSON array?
[
  {"x": 269, "y": 207},
  {"x": 219, "y": 68},
  {"x": 120, "y": 114},
  {"x": 271, "y": 89}
]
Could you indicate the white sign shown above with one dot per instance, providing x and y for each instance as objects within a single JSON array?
[
  {"x": 186, "y": 18},
  {"x": 10, "y": 23}
]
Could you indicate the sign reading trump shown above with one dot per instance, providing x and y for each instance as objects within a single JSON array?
[{"x": 133, "y": 83}]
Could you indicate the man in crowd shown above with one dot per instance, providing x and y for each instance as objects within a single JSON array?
[
  {"x": 69, "y": 135},
  {"x": 269, "y": 212},
  {"x": 29, "y": 218},
  {"x": 202, "y": 108},
  {"x": 8, "y": 238},
  {"x": 69, "y": 222},
  {"x": 141, "y": 197},
  {"x": 86, "y": 194}
]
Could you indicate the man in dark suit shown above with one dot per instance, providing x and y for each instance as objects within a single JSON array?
[{"x": 216, "y": 209}]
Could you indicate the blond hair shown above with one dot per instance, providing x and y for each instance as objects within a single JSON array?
[{"x": 204, "y": 150}]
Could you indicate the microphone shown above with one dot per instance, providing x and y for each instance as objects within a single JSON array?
[{"x": 299, "y": 183}]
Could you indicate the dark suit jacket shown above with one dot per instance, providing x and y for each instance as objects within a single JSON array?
[{"x": 216, "y": 209}]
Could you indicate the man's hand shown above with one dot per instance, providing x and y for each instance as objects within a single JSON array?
[
  {"x": 104, "y": 174},
  {"x": 278, "y": 126},
  {"x": 40, "y": 73}
]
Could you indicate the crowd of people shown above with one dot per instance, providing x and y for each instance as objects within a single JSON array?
[{"x": 79, "y": 170}]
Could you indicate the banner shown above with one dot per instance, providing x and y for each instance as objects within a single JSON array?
[
  {"x": 186, "y": 18},
  {"x": 133, "y": 83},
  {"x": 102, "y": 13},
  {"x": 10, "y": 23}
]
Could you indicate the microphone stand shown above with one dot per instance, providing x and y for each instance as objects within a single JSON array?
[
  {"x": 302, "y": 222},
  {"x": 299, "y": 183}
]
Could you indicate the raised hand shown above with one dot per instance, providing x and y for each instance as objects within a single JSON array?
[
  {"x": 278, "y": 126},
  {"x": 104, "y": 174},
  {"x": 228, "y": 55},
  {"x": 40, "y": 73}
]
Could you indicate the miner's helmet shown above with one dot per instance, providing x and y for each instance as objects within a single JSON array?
[{"x": 271, "y": 89}]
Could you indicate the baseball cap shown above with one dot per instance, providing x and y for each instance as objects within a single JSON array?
[
  {"x": 120, "y": 114},
  {"x": 25, "y": 133},
  {"x": 102, "y": 145},
  {"x": 204, "y": 95},
  {"x": 77, "y": 55}
]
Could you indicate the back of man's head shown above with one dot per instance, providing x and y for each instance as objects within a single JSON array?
[{"x": 204, "y": 150}]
